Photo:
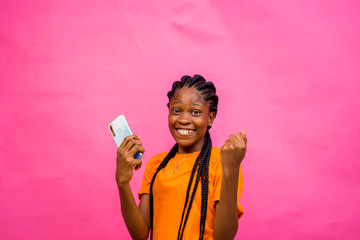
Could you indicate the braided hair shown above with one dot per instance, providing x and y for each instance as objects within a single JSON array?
[{"x": 201, "y": 165}]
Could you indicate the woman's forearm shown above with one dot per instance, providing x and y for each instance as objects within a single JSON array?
[
  {"x": 226, "y": 216},
  {"x": 134, "y": 219}
]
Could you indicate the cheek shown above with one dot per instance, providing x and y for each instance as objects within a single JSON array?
[
  {"x": 202, "y": 123},
  {"x": 171, "y": 121}
]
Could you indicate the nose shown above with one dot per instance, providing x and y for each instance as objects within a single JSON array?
[{"x": 184, "y": 119}]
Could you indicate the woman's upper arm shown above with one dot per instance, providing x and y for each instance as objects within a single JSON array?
[{"x": 144, "y": 207}]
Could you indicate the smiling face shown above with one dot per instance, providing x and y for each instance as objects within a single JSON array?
[{"x": 188, "y": 119}]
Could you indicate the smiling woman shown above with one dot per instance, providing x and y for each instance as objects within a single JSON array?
[
  {"x": 189, "y": 119},
  {"x": 172, "y": 206}
]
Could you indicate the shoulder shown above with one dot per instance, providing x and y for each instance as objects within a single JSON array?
[
  {"x": 215, "y": 151},
  {"x": 215, "y": 154},
  {"x": 215, "y": 170},
  {"x": 215, "y": 158},
  {"x": 155, "y": 160}
]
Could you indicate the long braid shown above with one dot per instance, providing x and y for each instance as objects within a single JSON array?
[
  {"x": 205, "y": 188},
  {"x": 196, "y": 164},
  {"x": 201, "y": 165},
  {"x": 203, "y": 168},
  {"x": 169, "y": 156}
]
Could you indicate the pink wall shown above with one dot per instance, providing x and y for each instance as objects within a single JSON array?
[{"x": 286, "y": 71}]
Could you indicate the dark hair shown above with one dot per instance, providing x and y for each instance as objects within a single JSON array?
[{"x": 208, "y": 92}]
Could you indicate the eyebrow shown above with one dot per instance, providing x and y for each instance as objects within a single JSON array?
[{"x": 190, "y": 105}]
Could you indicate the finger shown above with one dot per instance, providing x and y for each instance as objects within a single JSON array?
[
  {"x": 136, "y": 149},
  {"x": 223, "y": 148},
  {"x": 131, "y": 144},
  {"x": 127, "y": 139},
  {"x": 240, "y": 139},
  {"x": 136, "y": 162},
  {"x": 234, "y": 140},
  {"x": 229, "y": 145},
  {"x": 138, "y": 166},
  {"x": 244, "y": 136},
  {"x": 227, "y": 142}
]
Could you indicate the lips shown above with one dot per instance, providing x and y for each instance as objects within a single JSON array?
[{"x": 185, "y": 131}]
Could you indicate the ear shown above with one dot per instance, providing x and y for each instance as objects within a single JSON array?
[{"x": 211, "y": 118}]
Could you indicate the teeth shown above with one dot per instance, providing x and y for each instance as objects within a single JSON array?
[{"x": 185, "y": 132}]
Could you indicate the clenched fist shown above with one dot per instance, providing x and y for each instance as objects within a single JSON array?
[{"x": 233, "y": 152}]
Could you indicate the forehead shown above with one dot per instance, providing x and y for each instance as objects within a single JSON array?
[{"x": 188, "y": 95}]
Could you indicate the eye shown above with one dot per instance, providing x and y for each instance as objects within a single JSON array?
[
  {"x": 195, "y": 112},
  {"x": 175, "y": 111}
]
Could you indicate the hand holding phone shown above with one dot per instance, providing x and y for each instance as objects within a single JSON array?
[{"x": 120, "y": 129}]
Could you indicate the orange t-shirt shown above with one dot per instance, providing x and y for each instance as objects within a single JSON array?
[{"x": 169, "y": 192}]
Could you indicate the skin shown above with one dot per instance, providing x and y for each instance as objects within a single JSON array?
[{"x": 188, "y": 111}]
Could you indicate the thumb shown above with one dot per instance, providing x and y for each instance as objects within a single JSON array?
[{"x": 244, "y": 136}]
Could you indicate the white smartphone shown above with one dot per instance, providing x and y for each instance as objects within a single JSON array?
[{"x": 120, "y": 129}]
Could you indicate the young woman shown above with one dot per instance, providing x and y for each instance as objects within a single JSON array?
[{"x": 193, "y": 191}]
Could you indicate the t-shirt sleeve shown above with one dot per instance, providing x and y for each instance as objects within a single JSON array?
[
  {"x": 150, "y": 169},
  {"x": 217, "y": 187}
]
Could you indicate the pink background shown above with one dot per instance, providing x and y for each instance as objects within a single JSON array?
[{"x": 286, "y": 71}]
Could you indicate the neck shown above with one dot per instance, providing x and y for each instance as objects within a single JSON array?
[{"x": 191, "y": 149}]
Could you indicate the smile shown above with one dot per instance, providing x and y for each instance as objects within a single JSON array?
[{"x": 185, "y": 131}]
